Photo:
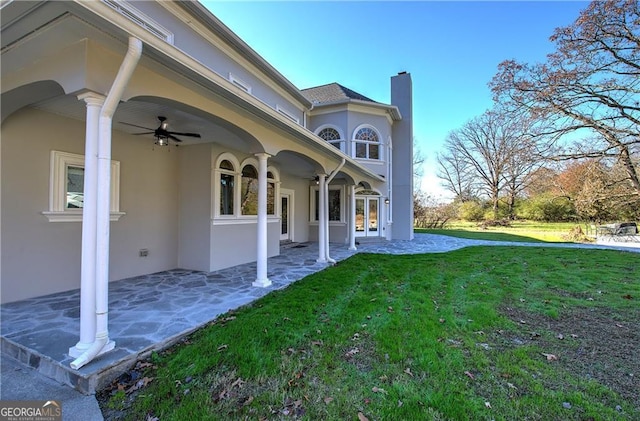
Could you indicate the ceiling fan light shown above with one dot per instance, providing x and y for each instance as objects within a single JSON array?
[{"x": 162, "y": 141}]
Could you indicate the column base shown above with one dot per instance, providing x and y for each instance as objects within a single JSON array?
[
  {"x": 353, "y": 248},
  {"x": 262, "y": 283},
  {"x": 79, "y": 349},
  {"x": 321, "y": 260}
]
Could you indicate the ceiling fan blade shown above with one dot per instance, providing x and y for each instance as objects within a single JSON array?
[
  {"x": 135, "y": 125},
  {"x": 175, "y": 139},
  {"x": 185, "y": 134},
  {"x": 138, "y": 134}
]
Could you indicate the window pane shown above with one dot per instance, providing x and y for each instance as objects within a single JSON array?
[
  {"x": 75, "y": 187},
  {"x": 271, "y": 197},
  {"x": 361, "y": 150},
  {"x": 317, "y": 193},
  {"x": 249, "y": 191},
  {"x": 374, "y": 151},
  {"x": 227, "y": 182},
  {"x": 334, "y": 205},
  {"x": 226, "y": 165}
]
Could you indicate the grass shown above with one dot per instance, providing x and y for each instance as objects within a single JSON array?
[
  {"x": 521, "y": 231},
  {"x": 427, "y": 337}
]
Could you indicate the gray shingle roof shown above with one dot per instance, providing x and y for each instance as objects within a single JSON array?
[{"x": 332, "y": 92}]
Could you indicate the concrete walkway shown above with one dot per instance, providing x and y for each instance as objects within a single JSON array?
[{"x": 151, "y": 312}]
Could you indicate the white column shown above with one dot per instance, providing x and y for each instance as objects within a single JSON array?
[
  {"x": 261, "y": 261},
  {"x": 326, "y": 226},
  {"x": 352, "y": 217},
  {"x": 322, "y": 219},
  {"x": 89, "y": 209}
]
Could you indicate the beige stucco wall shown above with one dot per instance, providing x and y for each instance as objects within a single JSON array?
[{"x": 41, "y": 257}]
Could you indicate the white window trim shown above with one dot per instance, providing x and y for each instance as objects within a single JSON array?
[
  {"x": 355, "y": 141},
  {"x": 240, "y": 83},
  {"x": 57, "y": 212},
  {"x": 313, "y": 205},
  {"x": 238, "y": 217},
  {"x": 342, "y": 141},
  {"x": 287, "y": 114}
]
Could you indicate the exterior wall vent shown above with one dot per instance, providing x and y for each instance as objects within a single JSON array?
[
  {"x": 287, "y": 114},
  {"x": 140, "y": 19}
]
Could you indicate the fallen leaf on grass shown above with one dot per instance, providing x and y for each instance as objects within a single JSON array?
[
  {"x": 361, "y": 417},
  {"x": 487, "y": 404},
  {"x": 222, "y": 347},
  {"x": 328, "y": 400},
  {"x": 441, "y": 320},
  {"x": 378, "y": 390},
  {"x": 248, "y": 401},
  {"x": 560, "y": 336},
  {"x": 471, "y": 376},
  {"x": 627, "y": 297},
  {"x": 511, "y": 385},
  {"x": 550, "y": 357},
  {"x": 316, "y": 343},
  {"x": 408, "y": 371},
  {"x": 140, "y": 383}
]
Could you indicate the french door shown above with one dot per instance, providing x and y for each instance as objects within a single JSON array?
[
  {"x": 286, "y": 211},
  {"x": 367, "y": 212}
]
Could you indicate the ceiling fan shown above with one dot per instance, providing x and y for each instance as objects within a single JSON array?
[{"x": 161, "y": 134}]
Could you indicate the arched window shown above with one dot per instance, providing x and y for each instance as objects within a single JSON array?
[
  {"x": 367, "y": 143},
  {"x": 227, "y": 183},
  {"x": 249, "y": 190},
  {"x": 332, "y": 136}
]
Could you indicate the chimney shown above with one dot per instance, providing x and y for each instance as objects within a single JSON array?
[{"x": 402, "y": 157}]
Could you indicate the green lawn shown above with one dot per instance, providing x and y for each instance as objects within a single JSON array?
[
  {"x": 527, "y": 231},
  {"x": 495, "y": 333}
]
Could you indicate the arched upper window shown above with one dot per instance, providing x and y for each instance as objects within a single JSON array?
[
  {"x": 332, "y": 136},
  {"x": 367, "y": 143}
]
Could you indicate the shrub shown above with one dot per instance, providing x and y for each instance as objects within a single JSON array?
[
  {"x": 471, "y": 211},
  {"x": 547, "y": 208}
]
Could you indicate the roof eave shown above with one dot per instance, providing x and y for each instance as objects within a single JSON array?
[{"x": 392, "y": 109}]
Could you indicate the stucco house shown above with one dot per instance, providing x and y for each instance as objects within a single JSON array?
[{"x": 143, "y": 136}]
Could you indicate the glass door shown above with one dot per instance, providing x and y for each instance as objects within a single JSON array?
[
  {"x": 367, "y": 216},
  {"x": 285, "y": 229}
]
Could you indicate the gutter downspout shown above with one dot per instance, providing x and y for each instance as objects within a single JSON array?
[
  {"x": 129, "y": 63},
  {"x": 326, "y": 204}
]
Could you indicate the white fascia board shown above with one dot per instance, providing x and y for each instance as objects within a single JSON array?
[{"x": 392, "y": 110}]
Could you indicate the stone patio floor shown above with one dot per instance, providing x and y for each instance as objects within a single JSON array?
[{"x": 152, "y": 312}]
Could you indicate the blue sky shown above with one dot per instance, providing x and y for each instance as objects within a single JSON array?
[{"x": 451, "y": 48}]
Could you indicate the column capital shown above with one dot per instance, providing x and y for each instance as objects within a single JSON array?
[
  {"x": 92, "y": 98},
  {"x": 262, "y": 155}
]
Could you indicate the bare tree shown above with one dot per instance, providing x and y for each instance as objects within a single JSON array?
[
  {"x": 591, "y": 82},
  {"x": 456, "y": 175},
  {"x": 492, "y": 151}
]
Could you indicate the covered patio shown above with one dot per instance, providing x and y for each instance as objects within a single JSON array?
[{"x": 146, "y": 313}]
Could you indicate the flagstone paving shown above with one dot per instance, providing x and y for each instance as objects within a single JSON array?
[{"x": 152, "y": 311}]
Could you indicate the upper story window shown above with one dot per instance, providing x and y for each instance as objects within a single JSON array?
[
  {"x": 332, "y": 136},
  {"x": 366, "y": 143}
]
